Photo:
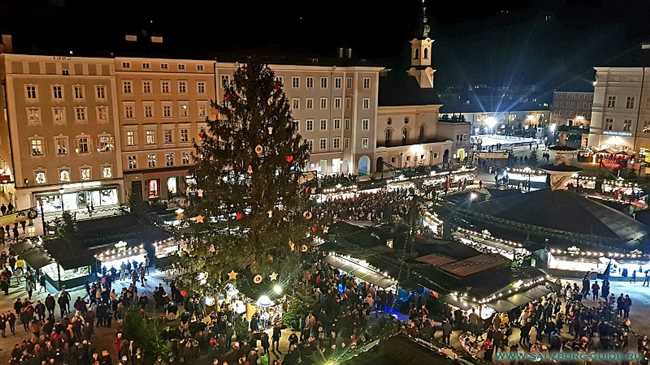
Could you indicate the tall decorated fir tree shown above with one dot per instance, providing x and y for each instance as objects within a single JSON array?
[{"x": 251, "y": 220}]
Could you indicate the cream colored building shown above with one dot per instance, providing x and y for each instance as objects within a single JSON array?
[{"x": 59, "y": 132}]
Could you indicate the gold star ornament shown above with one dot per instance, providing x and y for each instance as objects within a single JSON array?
[
  {"x": 232, "y": 275},
  {"x": 273, "y": 276}
]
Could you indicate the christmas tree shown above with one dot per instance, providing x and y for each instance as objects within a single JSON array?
[{"x": 251, "y": 217}]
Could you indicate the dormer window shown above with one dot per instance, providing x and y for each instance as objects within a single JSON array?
[
  {"x": 426, "y": 53},
  {"x": 417, "y": 54}
]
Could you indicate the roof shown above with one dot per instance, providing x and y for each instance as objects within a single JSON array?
[
  {"x": 398, "y": 88},
  {"x": 96, "y": 232},
  {"x": 70, "y": 255},
  {"x": 565, "y": 211},
  {"x": 399, "y": 350}
]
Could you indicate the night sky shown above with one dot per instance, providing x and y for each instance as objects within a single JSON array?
[{"x": 549, "y": 44}]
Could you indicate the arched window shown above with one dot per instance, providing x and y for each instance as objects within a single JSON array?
[
  {"x": 405, "y": 135},
  {"x": 388, "y": 135},
  {"x": 416, "y": 55},
  {"x": 426, "y": 53}
]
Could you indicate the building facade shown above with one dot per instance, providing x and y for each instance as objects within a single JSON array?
[
  {"x": 571, "y": 108},
  {"x": 621, "y": 109},
  {"x": 59, "y": 132}
]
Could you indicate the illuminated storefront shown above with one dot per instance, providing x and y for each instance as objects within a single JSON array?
[{"x": 71, "y": 197}]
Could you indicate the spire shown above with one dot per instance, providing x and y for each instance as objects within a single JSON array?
[{"x": 424, "y": 27}]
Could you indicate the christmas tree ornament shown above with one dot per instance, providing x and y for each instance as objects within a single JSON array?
[
  {"x": 270, "y": 213},
  {"x": 289, "y": 158},
  {"x": 184, "y": 293},
  {"x": 239, "y": 216},
  {"x": 212, "y": 249},
  {"x": 307, "y": 215},
  {"x": 314, "y": 228},
  {"x": 199, "y": 219},
  {"x": 270, "y": 129},
  {"x": 292, "y": 246},
  {"x": 259, "y": 149},
  {"x": 273, "y": 276},
  {"x": 257, "y": 279},
  {"x": 202, "y": 135},
  {"x": 232, "y": 275},
  {"x": 304, "y": 248},
  {"x": 250, "y": 169}
]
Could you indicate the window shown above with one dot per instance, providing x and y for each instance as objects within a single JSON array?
[
  {"x": 296, "y": 125},
  {"x": 348, "y": 103},
  {"x": 167, "y": 136},
  {"x": 200, "y": 67},
  {"x": 106, "y": 143},
  {"x": 182, "y": 87},
  {"x": 78, "y": 92},
  {"x": 310, "y": 125},
  {"x": 151, "y": 160},
  {"x": 388, "y": 135},
  {"x": 164, "y": 66},
  {"x": 323, "y": 82},
  {"x": 184, "y": 135},
  {"x": 337, "y": 82},
  {"x": 126, "y": 64},
  {"x": 40, "y": 177},
  {"x": 31, "y": 92},
  {"x": 82, "y": 145},
  {"x": 146, "y": 65},
  {"x": 225, "y": 80},
  {"x": 64, "y": 175},
  {"x": 200, "y": 87},
  {"x": 364, "y": 142},
  {"x": 164, "y": 86},
  {"x": 336, "y": 143},
  {"x": 310, "y": 82},
  {"x": 132, "y": 162},
  {"x": 426, "y": 53},
  {"x": 337, "y": 123},
  {"x": 348, "y": 82},
  {"x": 33, "y": 115},
  {"x": 203, "y": 109},
  {"x": 346, "y": 143},
  {"x": 181, "y": 67},
  {"x": 146, "y": 87},
  {"x": 405, "y": 135},
  {"x": 295, "y": 82},
  {"x": 167, "y": 110},
  {"x": 365, "y": 124},
  {"x": 366, "y": 82},
  {"x": 37, "y": 147},
  {"x": 280, "y": 80},
  {"x": 323, "y": 124},
  {"x": 57, "y": 92},
  {"x": 323, "y": 144},
  {"x": 86, "y": 173},
  {"x": 58, "y": 115},
  {"x": 80, "y": 114},
  {"x": 127, "y": 87},
  {"x": 183, "y": 109},
  {"x": 310, "y": 144},
  {"x": 148, "y": 110},
  {"x": 406, "y": 120},
  {"x": 152, "y": 192},
  {"x": 609, "y": 124},
  {"x": 309, "y": 103},
  {"x": 100, "y": 92},
  {"x": 102, "y": 113},
  {"x": 627, "y": 125},
  {"x": 629, "y": 102},
  {"x": 366, "y": 103},
  {"x": 185, "y": 158},
  {"x": 107, "y": 172},
  {"x": 323, "y": 103},
  {"x": 150, "y": 136},
  {"x": 611, "y": 101},
  {"x": 347, "y": 123},
  {"x": 61, "y": 145},
  {"x": 295, "y": 104},
  {"x": 169, "y": 159},
  {"x": 129, "y": 111},
  {"x": 130, "y": 138},
  {"x": 337, "y": 103}
]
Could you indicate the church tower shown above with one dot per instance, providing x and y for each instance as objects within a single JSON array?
[{"x": 421, "y": 53}]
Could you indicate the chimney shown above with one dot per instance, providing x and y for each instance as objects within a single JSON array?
[
  {"x": 645, "y": 53},
  {"x": 349, "y": 53},
  {"x": 7, "y": 44},
  {"x": 340, "y": 52}
]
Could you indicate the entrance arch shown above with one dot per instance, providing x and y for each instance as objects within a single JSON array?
[
  {"x": 364, "y": 165},
  {"x": 445, "y": 157},
  {"x": 380, "y": 164}
]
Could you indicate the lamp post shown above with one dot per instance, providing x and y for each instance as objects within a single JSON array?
[
  {"x": 40, "y": 203},
  {"x": 61, "y": 197}
]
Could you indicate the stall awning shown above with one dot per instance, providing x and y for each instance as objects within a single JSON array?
[
  {"x": 519, "y": 299},
  {"x": 36, "y": 258},
  {"x": 364, "y": 273}
]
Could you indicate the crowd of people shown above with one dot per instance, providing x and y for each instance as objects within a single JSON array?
[{"x": 376, "y": 207}]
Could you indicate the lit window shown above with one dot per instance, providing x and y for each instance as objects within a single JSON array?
[
  {"x": 105, "y": 143},
  {"x": 200, "y": 87},
  {"x": 133, "y": 162},
  {"x": 127, "y": 87},
  {"x": 57, "y": 92},
  {"x": 151, "y": 160},
  {"x": 107, "y": 172},
  {"x": 61, "y": 146},
  {"x": 40, "y": 177},
  {"x": 33, "y": 115},
  {"x": 80, "y": 114},
  {"x": 130, "y": 138},
  {"x": 64, "y": 175},
  {"x": 37, "y": 147},
  {"x": 182, "y": 87},
  {"x": 31, "y": 92},
  {"x": 183, "y": 109},
  {"x": 184, "y": 135},
  {"x": 150, "y": 136},
  {"x": 78, "y": 92},
  {"x": 86, "y": 173},
  {"x": 153, "y": 189},
  {"x": 364, "y": 143},
  {"x": 169, "y": 159},
  {"x": 172, "y": 185}
]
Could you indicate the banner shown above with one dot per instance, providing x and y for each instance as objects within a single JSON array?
[{"x": 17, "y": 217}]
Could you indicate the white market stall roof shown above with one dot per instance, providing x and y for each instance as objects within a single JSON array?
[{"x": 363, "y": 272}]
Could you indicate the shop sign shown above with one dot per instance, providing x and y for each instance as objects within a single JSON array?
[{"x": 17, "y": 217}]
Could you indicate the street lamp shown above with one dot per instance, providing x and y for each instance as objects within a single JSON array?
[{"x": 61, "y": 197}]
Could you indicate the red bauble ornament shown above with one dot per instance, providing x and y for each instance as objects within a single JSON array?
[
  {"x": 289, "y": 158},
  {"x": 314, "y": 228},
  {"x": 184, "y": 293},
  {"x": 239, "y": 216},
  {"x": 226, "y": 97},
  {"x": 277, "y": 86},
  {"x": 202, "y": 134}
]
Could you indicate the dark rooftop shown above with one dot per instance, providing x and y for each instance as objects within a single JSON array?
[
  {"x": 399, "y": 350},
  {"x": 397, "y": 88}
]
